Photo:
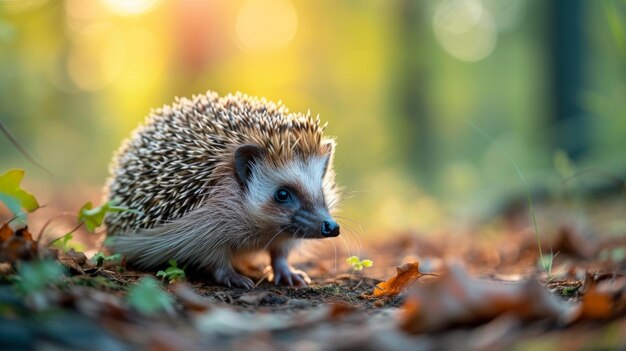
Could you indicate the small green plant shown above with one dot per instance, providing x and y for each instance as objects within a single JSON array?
[
  {"x": 62, "y": 243},
  {"x": 357, "y": 264},
  {"x": 34, "y": 277},
  {"x": 546, "y": 262},
  {"x": 172, "y": 273},
  {"x": 99, "y": 258},
  {"x": 91, "y": 217},
  {"x": 570, "y": 291},
  {"x": 147, "y": 297}
]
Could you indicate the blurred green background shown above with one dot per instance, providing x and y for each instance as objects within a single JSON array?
[{"x": 399, "y": 82}]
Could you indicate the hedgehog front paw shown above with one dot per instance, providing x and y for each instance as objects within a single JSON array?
[
  {"x": 232, "y": 279},
  {"x": 285, "y": 275}
]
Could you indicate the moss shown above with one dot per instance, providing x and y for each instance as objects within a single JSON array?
[
  {"x": 569, "y": 291},
  {"x": 329, "y": 289}
]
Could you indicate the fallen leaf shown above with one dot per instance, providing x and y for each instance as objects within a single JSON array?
[
  {"x": 602, "y": 300},
  {"x": 569, "y": 242},
  {"x": 73, "y": 260},
  {"x": 189, "y": 298},
  {"x": 339, "y": 310},
  {"x": 13, "y": 196},
  {"x": 5, "y": 232},
  {"x": 254, "y": 297},
  {"x": 407, "y": 274},
  {"x": 16, "y": 245},
  {"x": 458, "y": 300}
]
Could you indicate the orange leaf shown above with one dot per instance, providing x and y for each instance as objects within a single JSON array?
[
  {"x": 18, "y": 245},
  {"x": 407, "y": 274},
  {"x": 456, "y": 299},
  {"x": 602, "y": 300},
  {"x": 5, "y": 232}
]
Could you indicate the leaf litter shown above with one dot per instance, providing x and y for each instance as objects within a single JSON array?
[{"x": 423, "y": 293}]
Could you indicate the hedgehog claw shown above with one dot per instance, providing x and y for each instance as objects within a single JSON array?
[
  {"x": 285, "y": 275},
  {"x": 233, "y": 279}
]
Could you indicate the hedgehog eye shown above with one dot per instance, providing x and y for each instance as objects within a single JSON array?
[{"x": 282, "y": 195}]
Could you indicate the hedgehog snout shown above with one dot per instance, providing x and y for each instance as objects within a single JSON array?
[
  {"x": 330, "y": 229},
  {"x": 314, "y": 225}
]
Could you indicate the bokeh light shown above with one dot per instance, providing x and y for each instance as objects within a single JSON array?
[
  {"x": 87, "y": 72},
  {"x": 465, "y": 29},
  {"x": 96, "y": 57},
  {"x": 264, "y": 25},
  {"x": 130, "y": 7},
  {"x": 19, "y": 6}
]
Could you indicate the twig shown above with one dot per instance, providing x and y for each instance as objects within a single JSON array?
[
  {"x": 19, "y": 147},
  {"x": 62, "y": 236},
  {"x": 49, "y": 221}
]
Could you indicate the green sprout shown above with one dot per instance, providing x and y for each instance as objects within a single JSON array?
[
  {"x": 172, "y": 273},
  {"x": 358, "y": 264},
  {"x": 61, "y": 243},
  {"x": 100, "y": 258}
]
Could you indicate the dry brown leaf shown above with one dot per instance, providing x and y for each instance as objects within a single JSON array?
[
  {"x": 602, "y": 300},
  {"x": 5, "y": 232},
  {"x": 16, "y": 245},
  {"x": 189, "y": 298},
  {"x": 339, "y": 310},
  {"x": 459, "y": 300},
  {"x": 407, "y": 274}
]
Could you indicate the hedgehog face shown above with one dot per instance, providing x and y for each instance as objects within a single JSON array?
[{"x": 291, "y": 198}]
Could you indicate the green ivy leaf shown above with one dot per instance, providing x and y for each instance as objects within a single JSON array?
[
  {"x": 94, "y": 216},
  {"x": 14, "y": 197}
]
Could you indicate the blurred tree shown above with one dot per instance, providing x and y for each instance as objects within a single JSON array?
[
  {"x": 410, "y": 93},
  {"x": 567, "y": 49}
]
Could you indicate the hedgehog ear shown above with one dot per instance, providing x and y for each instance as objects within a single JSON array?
[
  {"x": 328, "y": 148},
  {"x": 245, "y": 156}
]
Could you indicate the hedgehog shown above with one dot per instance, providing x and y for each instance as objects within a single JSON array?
[{"x": 210, "y": 181}]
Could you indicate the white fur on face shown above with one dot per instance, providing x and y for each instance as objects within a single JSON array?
[{"x": 308, "y": 174}]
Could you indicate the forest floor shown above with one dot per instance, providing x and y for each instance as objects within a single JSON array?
[{"x": 452, "y": 291}]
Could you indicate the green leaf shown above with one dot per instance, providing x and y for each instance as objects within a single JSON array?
[
  {"x": 61, "y": 243},
  {"x": 100, "y": 258},
  {"x": 358, "y": 264},
  {"x": 93, "y": 216},
  {"x": 147, "y": 297},
  {"x": 14, "y": 197},
  {"x": 161, "y": 274},
  {"x": 352, "y": 260},
  {"x": 172, "y": 273}
]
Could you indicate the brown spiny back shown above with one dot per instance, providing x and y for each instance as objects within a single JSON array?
[{"x": 170, "y": 162}]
